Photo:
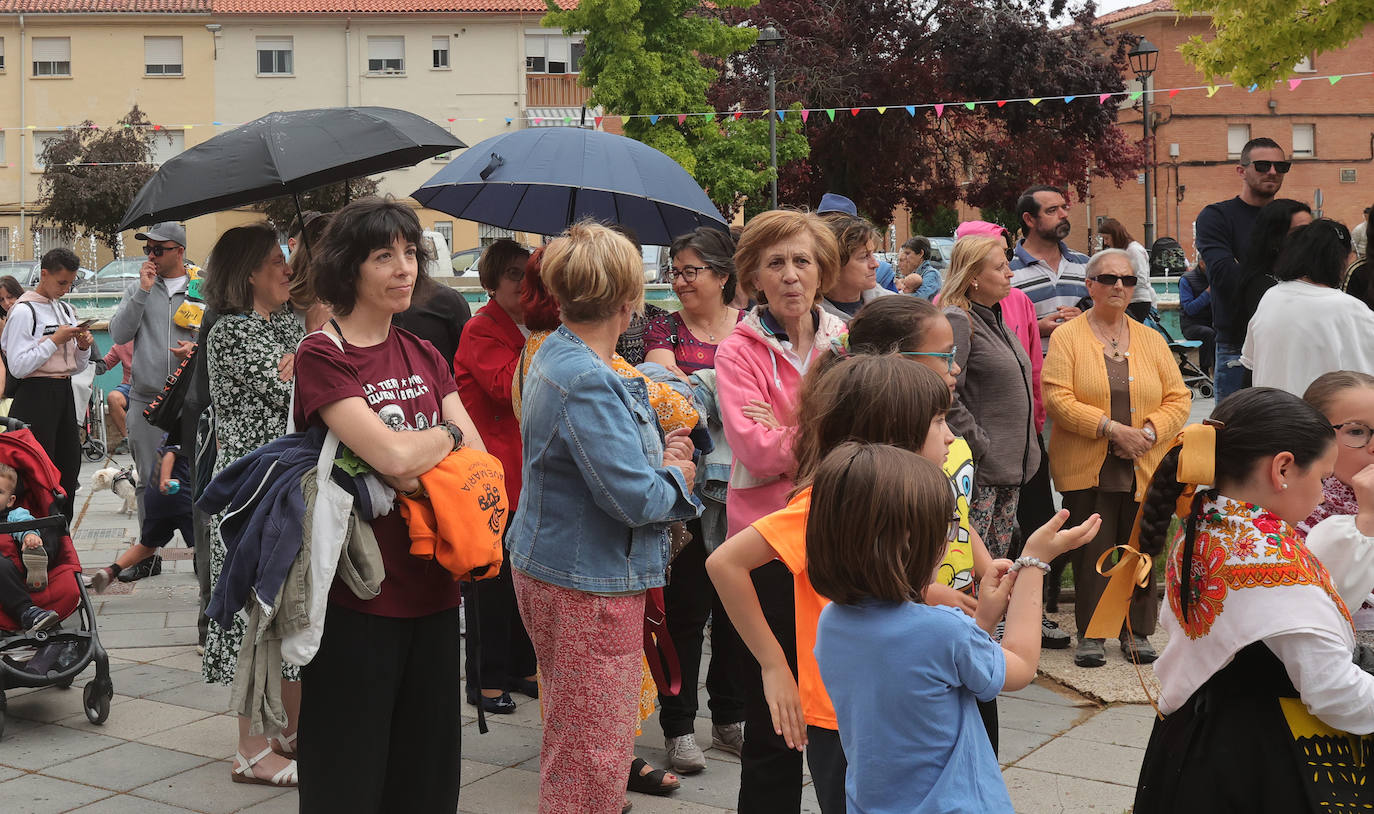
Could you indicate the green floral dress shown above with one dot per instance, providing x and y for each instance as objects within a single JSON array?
[{"x": 251, "y": 403}]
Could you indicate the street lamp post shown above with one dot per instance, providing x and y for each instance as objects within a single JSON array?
[
  {"x": 771, "y": 40},
  {"x": 1144, "y": 57}
]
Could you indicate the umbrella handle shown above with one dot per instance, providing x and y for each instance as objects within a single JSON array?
[{"x": 492, "y": 165}]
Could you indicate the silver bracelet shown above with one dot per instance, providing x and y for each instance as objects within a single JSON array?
[{"x": 1029, "y": 562}]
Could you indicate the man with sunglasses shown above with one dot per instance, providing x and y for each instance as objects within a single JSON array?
[
  {"x": 152, "y": 316},
  {"x": 1223, "y": 236}
]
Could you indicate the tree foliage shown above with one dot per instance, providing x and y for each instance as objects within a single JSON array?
[
  {"x": 646, "y": 57},
  {"x": 1259, "y": 41},
  {"x": 91, "y": 175},
  {"x": 282, "y": 211},
  {"x": 853, "y": 53}
]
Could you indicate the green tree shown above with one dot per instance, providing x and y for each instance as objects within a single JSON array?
[
  {"x": 90, "y": 175},
  {"x": 1260, "y": 42},
  {"x": 282, "y": 211},
  {"x": 661, "y": 56}
]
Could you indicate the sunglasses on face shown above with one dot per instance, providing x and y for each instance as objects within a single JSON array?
[
  {"x": 948, "y": 357},
  {"x": 687, "y": 273},
  {"x": 1128, "y": 280},
  {"x": 158, "y": 251},
  {"x": 1263, "y": 167},
  {"x": 1353, "y": 434}
]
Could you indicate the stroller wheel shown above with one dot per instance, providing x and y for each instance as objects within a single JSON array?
[
  {"x": 97, "y": 702},
  {"x": 1205, "y": 390},
  {"x": 94, "y": 450}
]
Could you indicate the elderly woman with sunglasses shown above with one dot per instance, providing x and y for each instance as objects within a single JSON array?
[{"x": 1114, "y": 393}]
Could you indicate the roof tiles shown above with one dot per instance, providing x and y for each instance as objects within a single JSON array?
[
  {"x": 379, "y": 6},
  {"x": 1136, "y": 11},
  {"x": 105, "y": 6}
]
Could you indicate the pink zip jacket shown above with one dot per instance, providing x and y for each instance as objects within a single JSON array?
[
  {"x": 753, "y": 363},
  {"x": 1018, "y": 313}
]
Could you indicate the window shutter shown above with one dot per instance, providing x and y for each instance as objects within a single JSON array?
[
  {"x": 386, "y": 48},
  {"x": 162, "y": 50},
  {"x": 52, "y": 49}
]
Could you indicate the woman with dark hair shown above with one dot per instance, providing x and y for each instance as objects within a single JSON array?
[
  {"x": 703, "y": 278},
  {"x": 307, "y": 306},
  {"x": 1258, "y": 669},
  {"x": 488, "y": 355},
  {"x": 437, "y": 314},
  {"x": 1305, "y": 325},
  {"x": 1359, "y": 283},
  {"x": 919, "y": 276},
  {"x": 381, "y": 708},
  {"x": 1143, "y": 298},
  {"x": 250, "y": 361}
]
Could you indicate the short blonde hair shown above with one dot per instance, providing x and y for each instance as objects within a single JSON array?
[
  {"x": 593, "y": 270},
  {"x": 965, "y": 263},
  {"x": 771, "y": 228}
]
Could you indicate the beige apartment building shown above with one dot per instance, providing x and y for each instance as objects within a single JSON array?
[{"x": 476, "y": 67}]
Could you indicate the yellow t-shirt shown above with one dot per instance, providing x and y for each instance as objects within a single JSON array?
[{"x": 956, "y": 570}]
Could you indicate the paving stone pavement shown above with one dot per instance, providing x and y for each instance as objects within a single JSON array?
[{"x": 166, "y": 746}]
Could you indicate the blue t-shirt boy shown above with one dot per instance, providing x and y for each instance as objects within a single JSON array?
[{"x": 904, "y": 679}]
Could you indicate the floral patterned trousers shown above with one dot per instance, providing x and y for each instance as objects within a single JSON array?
[{"x": 992, "y": 513}]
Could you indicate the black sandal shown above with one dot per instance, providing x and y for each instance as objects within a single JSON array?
[{"x": 652, "y": 783}]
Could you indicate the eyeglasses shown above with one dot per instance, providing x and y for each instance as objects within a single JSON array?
[
  {"x": 158, "y": 251},
  {"x": 513, "y": 274},
  {"x": 1263, "y": 167},
  {"x": 1128, "y": 280},
  {"x": 1353, "y": 434},
  {"x": 948, "y": 357},
  {"x": 687, "y": 273}
]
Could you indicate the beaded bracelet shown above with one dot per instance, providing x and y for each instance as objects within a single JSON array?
[{"x": 1029, "y": 562}]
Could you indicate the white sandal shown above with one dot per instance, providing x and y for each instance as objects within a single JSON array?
[
  {"x": 284, "y": 745},
  {"x": 242, "y": 771}
]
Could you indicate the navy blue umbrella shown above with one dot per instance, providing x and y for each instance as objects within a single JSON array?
[{"x": 542, "y": 179}]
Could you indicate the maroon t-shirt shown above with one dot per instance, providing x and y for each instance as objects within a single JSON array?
[{"x": 404, "y": 380}]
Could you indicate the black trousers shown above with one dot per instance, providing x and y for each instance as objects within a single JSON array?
[
  {"x": 770, "y": 773},
  {"x": 381, "y": 719},
  {"x": 825, "y": 757},
  {"x": 1207, "y": 354},
  {"x": 495, "y": 626},
  {"x": 48, "y": 407},
  {"x": 689, "y": 599}
]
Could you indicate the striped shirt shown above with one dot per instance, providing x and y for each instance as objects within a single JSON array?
[{"x": 1050, "y": 289}]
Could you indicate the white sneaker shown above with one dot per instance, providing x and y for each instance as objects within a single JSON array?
[{"x": 684, "y": 756}]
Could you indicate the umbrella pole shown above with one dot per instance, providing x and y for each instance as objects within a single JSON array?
[{"x": 305, "y": 241}]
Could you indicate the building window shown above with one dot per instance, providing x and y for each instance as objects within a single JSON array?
[
  {"x": 386, "y": 55},
  {"x": 550, "y": 52},
  {"x": 445, "y": 230},
  {"x": 2, "y": 149},
  {"x": 440, "y": 52},
  {"x": 1305, "y": 65},
  {"x": 162, "y": 56},
  {"x": 40, "y": 141},
  {"x": 52, "y": 56},
  {"x": 2, "y": 53},
  {"x": 275, "y": 56},
  {"x": 4, "y": 243},
  {"x": 1236, "y": 136},
  {"x": 487, "y": 235},
  {"x": 168, "y": 144},
  {"x": 1304, "y": 140},
  {"x": 46, "y": 238}
]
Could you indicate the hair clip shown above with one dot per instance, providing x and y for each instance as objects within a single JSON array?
[
  {"x": 1212, "y": 422},
  {"x": 840, "y": 344}
]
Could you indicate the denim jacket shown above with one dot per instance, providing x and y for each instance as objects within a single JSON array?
[{"x": 597, "y": 501}]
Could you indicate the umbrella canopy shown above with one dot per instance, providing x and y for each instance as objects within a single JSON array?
[
  {"x": 283, "y": 154},
  {"x": 542, "y": 179}
]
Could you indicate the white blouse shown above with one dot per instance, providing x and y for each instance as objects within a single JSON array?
[{"x": 1301, "y": 330}]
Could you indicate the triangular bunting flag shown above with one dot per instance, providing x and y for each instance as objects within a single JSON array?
[
  {"x": 882, "y": 110},
  {"x": 509, "y": 120},
  {"x": 450, "y": 119},
  {"x": 1034, "y": 102},
  {"x": 567, "y": 120},
  {"x": 1212, "y": 91},
  {"x": 854, "y": 111},
  {"x": 1068, "y": 99},
  {"x": 969, "y": 105},
  {"x": 1293, "y": 84},
  {"x": 1334, "y": 79},
  {"x": 653, "y": 119},
  {"x": 538, "y": 119},
  {"x": 217, "y": 124},
  {"x": 1175, "y": 91},
  {"x": 738, "y": 114},
  {"x": 597, "y": 120},
  {"x": 682, "y": 118},
  {"x": 1134, "y": 96},
  {"x": 1001, "y": 102},
  {"x": 1253, "y": 88},
  {"x": 623, "y": 119},
  {"x": 481, "y": 120},
  {"x": 939, "y": 111},
  {"x": 1103, "y": 97},
  {"x": 911, "y": 110},
  {"x": 782, "y": 114},
  {"x": 806, "y": 114},
  {"x": 830, "y": 111}
]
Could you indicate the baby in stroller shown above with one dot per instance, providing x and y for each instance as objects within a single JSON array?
[{"x": 35, "y": 554}]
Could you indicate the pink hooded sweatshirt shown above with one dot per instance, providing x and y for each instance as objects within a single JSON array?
[
  {"x": 1018, "y": 313},
  {"x": 752, "y": 364}
]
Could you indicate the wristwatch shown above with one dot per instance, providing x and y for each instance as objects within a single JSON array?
[
  {"x": 1149, "y": 434},
  {"x": 455, "y": 432}
]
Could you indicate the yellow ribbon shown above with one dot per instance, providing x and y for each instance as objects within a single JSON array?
[{"x": 1196, "y": 465}]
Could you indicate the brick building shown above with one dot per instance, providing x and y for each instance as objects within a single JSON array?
[{"x": 1328, "y": 131}]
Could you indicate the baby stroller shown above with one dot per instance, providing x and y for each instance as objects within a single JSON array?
[
  {"x": 62, "y": 654},
  {"x": 1193, "y": 376}
]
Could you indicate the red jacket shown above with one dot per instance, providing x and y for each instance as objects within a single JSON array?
[{"x": 487, "y": 358}]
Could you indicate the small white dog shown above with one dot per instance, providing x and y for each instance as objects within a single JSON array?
[{"x": 122, "y": 483}]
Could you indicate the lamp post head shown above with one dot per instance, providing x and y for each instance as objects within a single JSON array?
[
  {"x": 769, "y": 37},
  {"x": 1144, "y": 57}
]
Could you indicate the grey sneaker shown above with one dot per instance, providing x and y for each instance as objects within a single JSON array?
[
  {"x": 1137, "y": 648},
  {"x": 684, "y": 756},
  {"x": 728, "y": 737},
  {"x": 1051, "y": 637},
  {"x": 1091, "y": 653}
]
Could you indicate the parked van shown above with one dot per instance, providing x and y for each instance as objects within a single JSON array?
[{"x": 440, "y": 264}]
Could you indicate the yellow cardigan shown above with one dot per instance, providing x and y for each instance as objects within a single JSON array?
[{"x": 1077, "y": 396}]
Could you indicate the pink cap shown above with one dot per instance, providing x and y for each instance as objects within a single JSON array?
[{"x": 978, "y": 228}]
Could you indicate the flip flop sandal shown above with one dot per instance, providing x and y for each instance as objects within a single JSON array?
[
  {"x": 242, "y": 772},
  {"x": 655, "y": 782},
  {"x": 36, "y": 563}
]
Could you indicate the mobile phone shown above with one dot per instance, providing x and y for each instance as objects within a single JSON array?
[{"x": 85, "y": 323}]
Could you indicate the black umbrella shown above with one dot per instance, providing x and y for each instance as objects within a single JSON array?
[{"x": 286, "y": 154}]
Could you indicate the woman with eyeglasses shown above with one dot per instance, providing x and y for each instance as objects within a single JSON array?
[
  {"x": 483, "y": 368},
  {"x": 1117, "y": 400},
  {"x": 995, "y": 408},
  {"x": 703, "y": 277},
  {"x": 1346, "y": 398},
  {"x": 1306, "y": 325}
]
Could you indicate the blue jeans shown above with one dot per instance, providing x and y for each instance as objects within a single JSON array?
[{"x": 1231, "y": 375}]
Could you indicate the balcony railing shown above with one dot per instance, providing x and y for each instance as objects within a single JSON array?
[{"x": 555, "y": 90}]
